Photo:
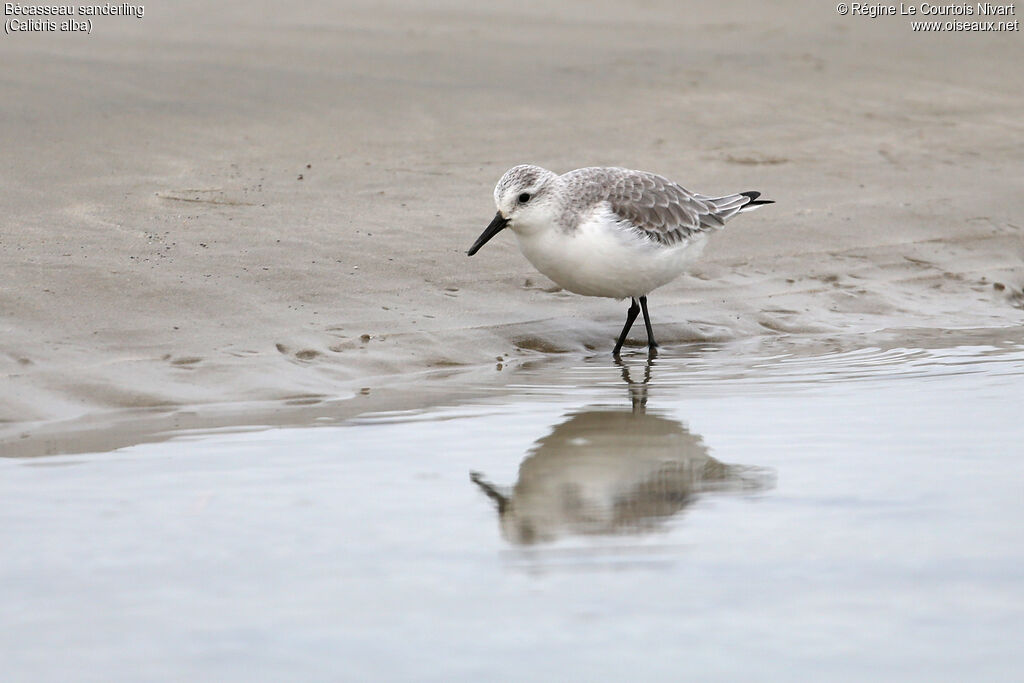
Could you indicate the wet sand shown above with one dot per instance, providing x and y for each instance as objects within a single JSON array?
[{"x": 236, "y": 204}]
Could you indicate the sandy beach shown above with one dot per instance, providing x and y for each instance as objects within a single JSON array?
[
  {"x": 293, "y": 432},
  {"x": 246, "y": 202}
]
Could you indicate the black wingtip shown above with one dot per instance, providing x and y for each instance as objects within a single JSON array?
[{"x": 754, "y": 199}]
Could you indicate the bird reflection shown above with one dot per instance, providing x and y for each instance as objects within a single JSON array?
[{"x": 606, "y": 471}]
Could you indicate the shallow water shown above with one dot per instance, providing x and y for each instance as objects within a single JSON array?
[{"x": 712, "y": 514}]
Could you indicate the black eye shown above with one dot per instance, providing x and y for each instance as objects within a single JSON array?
[{"x": 524, "y": 197}]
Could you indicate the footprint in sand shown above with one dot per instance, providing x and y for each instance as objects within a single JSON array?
[{"x": 302, "y": 355}]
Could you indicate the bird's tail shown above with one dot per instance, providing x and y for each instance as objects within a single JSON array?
[
  {"x": 724, "y": 208},
  {"x": 753, "y": 201}
]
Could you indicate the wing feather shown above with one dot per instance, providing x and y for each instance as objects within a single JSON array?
[
  {"x": 647, "y": 203},
  {"x": 664, "y": 211}
]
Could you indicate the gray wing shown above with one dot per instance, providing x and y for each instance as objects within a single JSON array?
[{"x": 665, "y": 212}]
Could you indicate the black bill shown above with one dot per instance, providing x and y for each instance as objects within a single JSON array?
[{"x": 496, "y": 226}]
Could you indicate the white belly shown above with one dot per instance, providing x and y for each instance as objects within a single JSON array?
[{"x": 596, "y": 260}]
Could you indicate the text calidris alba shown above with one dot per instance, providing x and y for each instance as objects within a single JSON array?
[{"x": 609, "y": 231}]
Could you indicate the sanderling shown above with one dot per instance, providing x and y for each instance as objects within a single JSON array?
[{"x": 609, "y": 231}]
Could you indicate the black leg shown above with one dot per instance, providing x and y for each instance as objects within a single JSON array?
[
  {"x": 651, "y": 344},
  {"x": 631, "y": 314}
]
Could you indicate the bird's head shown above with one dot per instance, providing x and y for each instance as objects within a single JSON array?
[{"x": 524, "y": 197}]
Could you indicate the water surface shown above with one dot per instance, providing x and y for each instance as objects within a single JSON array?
[{"x": 712, "y": 514}]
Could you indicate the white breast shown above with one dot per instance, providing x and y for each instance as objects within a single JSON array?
[{"x": 604, "y": 258}]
